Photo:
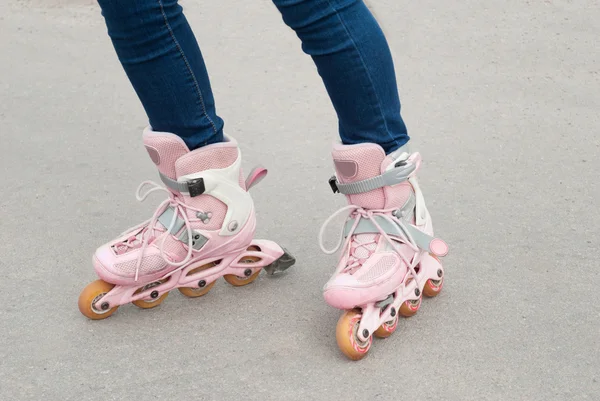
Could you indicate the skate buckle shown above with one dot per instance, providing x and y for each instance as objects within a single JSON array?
[
  {"x": 333, "y": 184},
  {"x": 196, "y": 187}
]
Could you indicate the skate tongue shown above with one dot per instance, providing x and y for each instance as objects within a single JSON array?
[
  {"x": 210, "y": 157},
  {"x": 356, "y": 163},
  {"x": 164, "y": 149}
]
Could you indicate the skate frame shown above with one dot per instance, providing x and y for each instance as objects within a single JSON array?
[
  {"x": 374, "y": 316},
  {"x": 243, "y": 263}
]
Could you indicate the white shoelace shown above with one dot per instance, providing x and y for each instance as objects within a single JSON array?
[
  {"x": 150, "y": 225},
  {"x": 357, "y": 213}
]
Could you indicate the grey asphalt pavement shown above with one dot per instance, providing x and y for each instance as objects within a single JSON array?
[{"x": 502, "y": 99}]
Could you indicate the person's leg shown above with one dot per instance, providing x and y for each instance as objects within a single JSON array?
[
  {"x": 209, "y": 212},
  {"x": 354, "y": 60},
  {"x": 161, "y": 57},
  {"x": 389, "y": 257}
]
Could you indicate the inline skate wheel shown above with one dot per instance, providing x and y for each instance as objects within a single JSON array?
[
  {"x": 238, "y": 281},
  {"x": 248, "y": 276},
  {"x": 387, "y": 328},
  {"x": 433, "y": 287},
  {"x": 410, "y": 307},
  {"x": 347, "y": 338},
  {"x": 90, "y": 295},
  {"x": 196, "y": 292},
  {"x": 154, "y": 299},
  {"x": 203, "y": 288}
]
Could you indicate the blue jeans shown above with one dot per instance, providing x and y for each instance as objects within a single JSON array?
[{"x": 161, "y": 57}]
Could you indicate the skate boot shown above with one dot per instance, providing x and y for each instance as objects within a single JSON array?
[
  {"x": 203, "y": 231},
  {"x": 389, "y": 257}
]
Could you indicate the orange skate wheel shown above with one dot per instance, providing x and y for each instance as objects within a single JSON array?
[
  {"x": 387, "y": 328},
  {"x": 88, "y": 297},
  {"x": 152, "y": 302},
  {"x": 433, "y": 287},
  {"x": 410, "y": 307},
  {"x": 238, "y": 281},
  {"x": 346, "y": 336},
  {"x": 196, "y": 292}
]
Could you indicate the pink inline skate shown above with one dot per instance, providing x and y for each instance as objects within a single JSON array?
[
  {"x": 202, "y": 231},
  {"x": 389, "y": 257}
]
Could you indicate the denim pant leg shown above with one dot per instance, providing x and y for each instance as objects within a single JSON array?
[
  {"x": 354, "y": 60},
  {"x": 161, "y": 57}
]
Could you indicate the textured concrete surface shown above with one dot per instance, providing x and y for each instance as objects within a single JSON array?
[{"x": 502, "y": 100}]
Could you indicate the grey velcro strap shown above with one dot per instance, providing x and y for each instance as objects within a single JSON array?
[
  {"x": 394, "y": 176},
  {"x": 366, "y": 226},
  {"x": 198, "y": 240},
  {"x": 166, "y": 217},
  {"x": 193, "y": 187}
]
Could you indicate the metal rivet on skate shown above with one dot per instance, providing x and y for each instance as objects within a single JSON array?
[{"x": 201, "y": 283}]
